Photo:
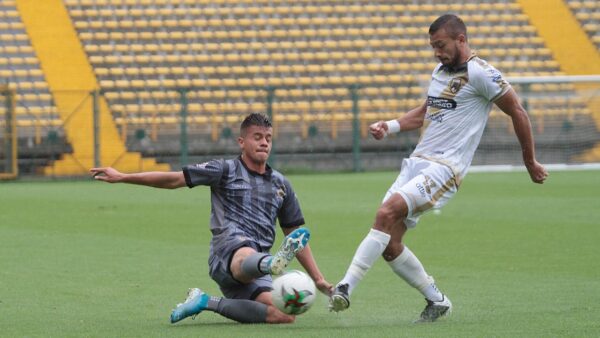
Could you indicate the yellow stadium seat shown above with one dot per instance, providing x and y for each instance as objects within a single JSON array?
[
  {"x": 6, "y": 73},
  {"x": 183, "y": 82},
  {"x": 81, "y": 25},
  {"x": 35, "y": 72}
]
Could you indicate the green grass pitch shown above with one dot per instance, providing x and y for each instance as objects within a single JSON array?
[{"x": 93, "y": 259}]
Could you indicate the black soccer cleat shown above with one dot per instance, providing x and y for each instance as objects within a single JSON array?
[
  {"x": 340, "y": 300},
  {"x": 435, "y": 310}
]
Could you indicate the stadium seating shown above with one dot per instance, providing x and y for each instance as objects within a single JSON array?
[
  {"x": 21, "y": 70},
  {"x": 159, "y": 46},
  {"x": 588, "y": 14},
  {"x": 224, "y": 55}
]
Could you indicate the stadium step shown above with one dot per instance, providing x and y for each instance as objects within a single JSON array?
[
  {"x": 568, "y": 42},
  {"x": 71, "y": 81},
  {"x": 570, "y": 46},
  {"x": 69, "y": 165}
]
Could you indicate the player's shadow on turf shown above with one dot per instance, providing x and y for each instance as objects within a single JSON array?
[{"x": 211, "y": 324}]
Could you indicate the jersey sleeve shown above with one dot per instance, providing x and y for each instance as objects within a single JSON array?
[
  {"x": 490, "y": 83},
  {"x": 290, "y": 214},
  {"x": 207, "y": 173}
]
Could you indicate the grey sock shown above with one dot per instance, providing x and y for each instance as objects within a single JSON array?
[
  {"x": 213, "y": 303},
  {"x": 256, "y": 265},
  {"x": 243, "y": 310}
]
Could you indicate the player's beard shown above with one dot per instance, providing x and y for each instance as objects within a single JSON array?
[{"x": 455, "y": 60}]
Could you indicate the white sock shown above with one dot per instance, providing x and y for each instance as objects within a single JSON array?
[
  {"x": 367, "y": 253},
  {"x": 408, "y": 266}
]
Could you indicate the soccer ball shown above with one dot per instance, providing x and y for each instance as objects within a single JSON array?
[{"x": 294, "y": 292}]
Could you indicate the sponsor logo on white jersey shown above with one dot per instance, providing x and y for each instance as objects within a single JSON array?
[{"x": 441, "y": 103}]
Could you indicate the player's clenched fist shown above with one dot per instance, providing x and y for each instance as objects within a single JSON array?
[{"x": 378, "y": 130}]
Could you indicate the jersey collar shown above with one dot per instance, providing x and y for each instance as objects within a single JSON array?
[
  {"x": 460, "y": 68},
  {"x": 268, "y": 170}
]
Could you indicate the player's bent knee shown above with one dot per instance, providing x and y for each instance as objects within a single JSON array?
[
  {"x": 237, "y": 261},
  {"x": 274, "y": 316},
  {"x": 391, "y": 213},
  {"x": 385, "y": 219},
  {"x": 240, "y": 277}
]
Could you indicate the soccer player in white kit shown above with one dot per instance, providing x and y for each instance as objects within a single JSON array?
[{"x": 460, "y": 96}]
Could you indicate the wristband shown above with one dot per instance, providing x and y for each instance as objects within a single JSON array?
[{"x": 393, "y": 126}]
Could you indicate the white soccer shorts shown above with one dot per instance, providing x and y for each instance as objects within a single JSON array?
[{"x": 424, "y": 185}]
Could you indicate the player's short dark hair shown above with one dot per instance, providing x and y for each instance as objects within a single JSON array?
[
  {"x": 453, "y": 24},
  {"x": 255, "y": 119}
]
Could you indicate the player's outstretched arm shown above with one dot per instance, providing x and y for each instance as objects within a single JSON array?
[
  {"x": 307, "y": 261},
  {"x": 509, "y": 104},
  {"x": 410, "y": 121},
  {"x": 157, "y": 179}
]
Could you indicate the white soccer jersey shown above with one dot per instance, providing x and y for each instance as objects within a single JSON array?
[{"x": 458, "y": 105}]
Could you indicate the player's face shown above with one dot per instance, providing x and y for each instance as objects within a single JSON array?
[
  {"x": 445, "y": 48},
  {"x": 256, "y": 144}
]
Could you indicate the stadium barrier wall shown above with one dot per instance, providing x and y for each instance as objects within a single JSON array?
[{"x": 326, "y": 137}]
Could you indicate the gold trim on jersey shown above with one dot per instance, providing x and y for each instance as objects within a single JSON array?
[
  {"x": 501, "y": 81},
  {"x": 435, "y": 196},
  {"x": 455, "y": 173}
]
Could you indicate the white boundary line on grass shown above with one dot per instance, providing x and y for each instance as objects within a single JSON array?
[
  {"x": 555, "y": 79},
  {"x": 549, "y": 167}
]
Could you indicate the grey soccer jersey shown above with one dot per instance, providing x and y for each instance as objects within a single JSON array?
[{"x": 244, "y": 204}]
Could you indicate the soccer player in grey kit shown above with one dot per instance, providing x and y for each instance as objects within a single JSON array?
[{"x": 247, "y": 197}]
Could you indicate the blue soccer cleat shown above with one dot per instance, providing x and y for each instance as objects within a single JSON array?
[
  {"x": 292, "y": 244},
  {"x": 195, "y": 303}
]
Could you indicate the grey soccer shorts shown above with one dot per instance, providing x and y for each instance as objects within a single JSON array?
[{"x": 220, "y": 272}]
